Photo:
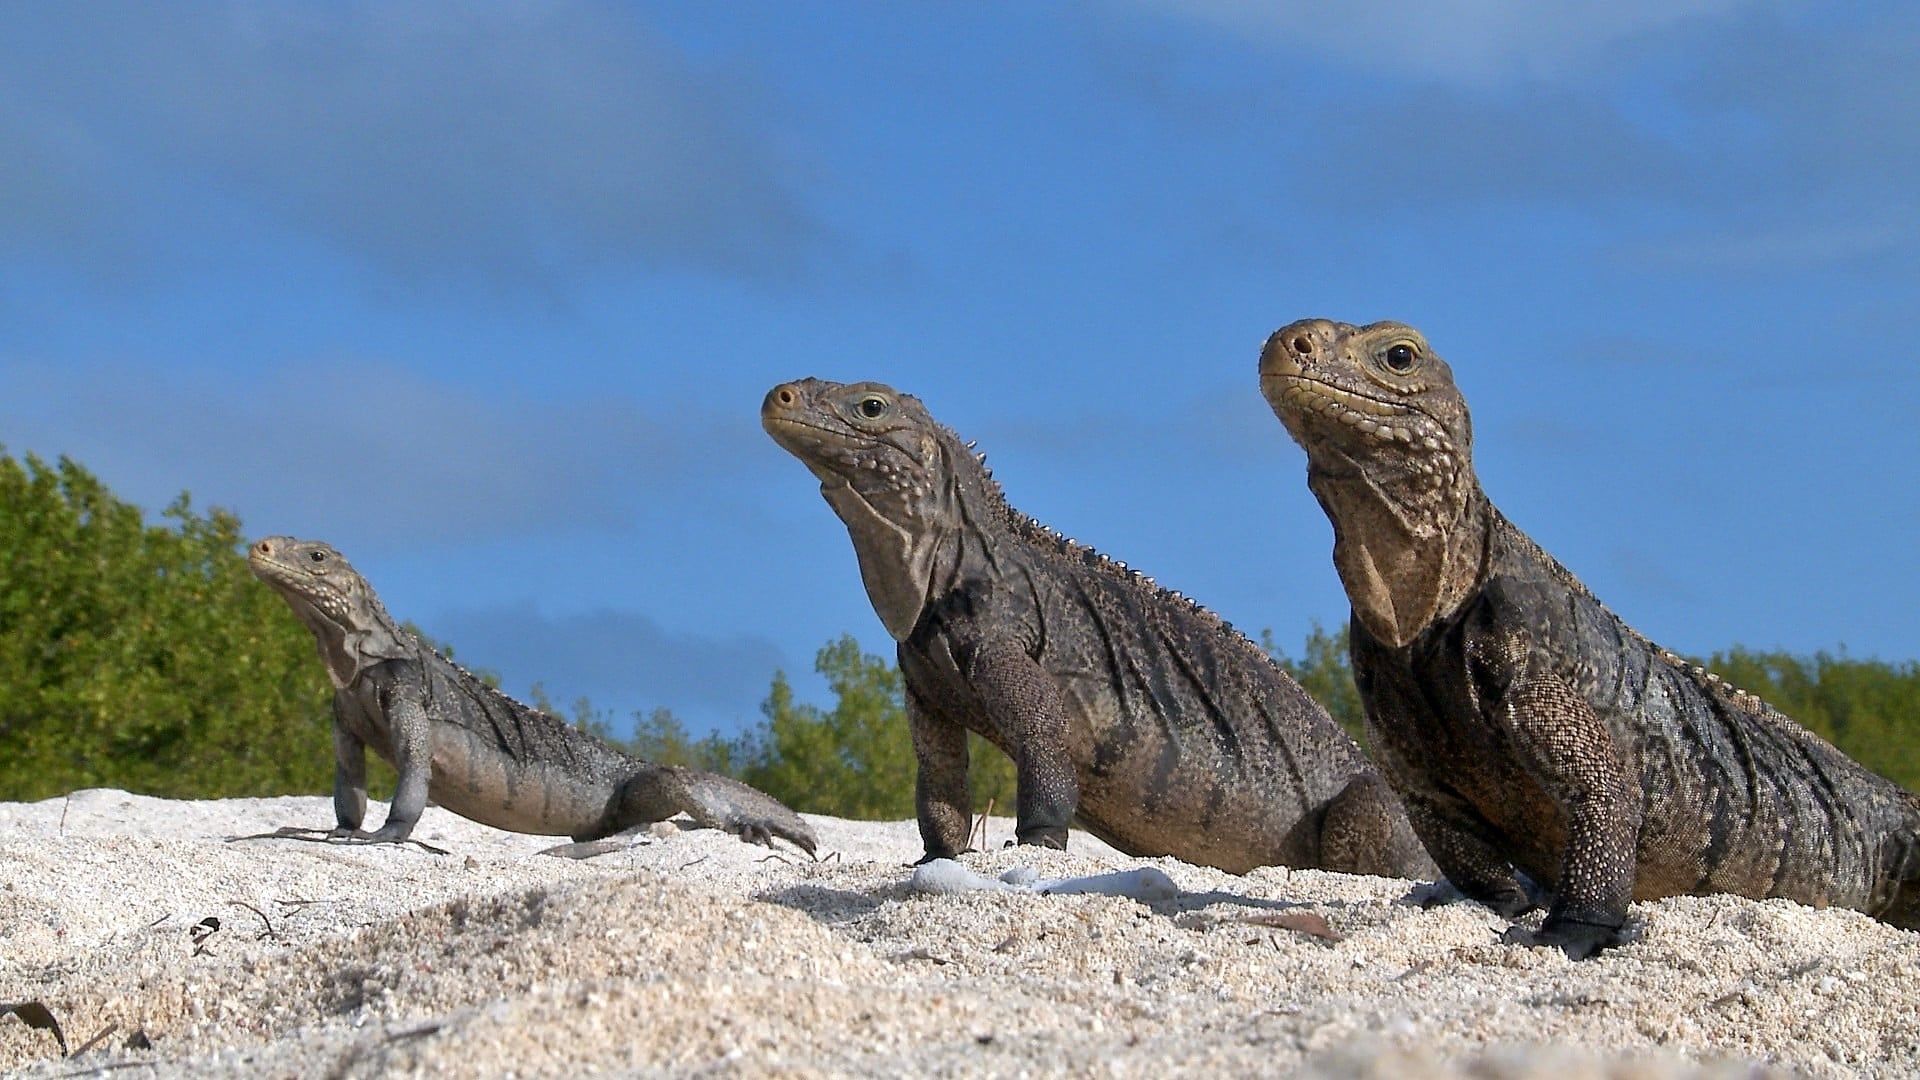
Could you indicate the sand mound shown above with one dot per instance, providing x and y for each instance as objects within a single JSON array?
[{"x": 694, "y": 952}]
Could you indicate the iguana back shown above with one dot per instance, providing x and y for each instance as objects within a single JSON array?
[{"x": 1124, "y": 706}]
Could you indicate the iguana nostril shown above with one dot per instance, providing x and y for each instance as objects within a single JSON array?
[
  {"x": 1302, "y": 346},
  {"x": 780, "y": 399},
  {"x": 264, "y": 547}
]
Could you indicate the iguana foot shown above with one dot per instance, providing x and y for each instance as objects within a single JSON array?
[
  {"x": 587, "y": 849},
  {"x": 386, "y": 834},
  {"x": 763, "y": 831},
  {"x": 721, "y": 802},
  {"x": 1432, "y": 894},
  {"x": 1579, "y": 940},
  {"x": 1047, "y": 836},
  {"x": 289, "y": 832},
  {"x": 338, "y": 836},
  {"x": 1508, "y": 903},
  {"x": 931, "y": 855}
]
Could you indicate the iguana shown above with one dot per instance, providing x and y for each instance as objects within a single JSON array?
[
  {"x": 476, "y": 751},
  {"x": 1524, "y": 723},
  {"x": 1162, "y": 728}
]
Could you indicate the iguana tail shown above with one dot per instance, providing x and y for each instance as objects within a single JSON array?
[{"x": 1903, "y": 870}]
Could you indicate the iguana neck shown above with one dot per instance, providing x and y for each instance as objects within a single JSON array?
[
  {"x": 910, "y": 556},
  {"x": 1410, "y": 545},
  {"x": 349, "y": 650}
]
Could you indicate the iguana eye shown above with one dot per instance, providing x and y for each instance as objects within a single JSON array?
[
  {"x": 873, "y": 406},
  {"x": 318, "y": 556},
  {"x": 1401, "y": 357}
]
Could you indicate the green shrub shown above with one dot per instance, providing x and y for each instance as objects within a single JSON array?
[{"x": 145, "y": 656}]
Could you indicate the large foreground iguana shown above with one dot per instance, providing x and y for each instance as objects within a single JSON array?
[
  {"x": 1163, "y": 729},
  {"x": 1526, "y": 725},
  {"x": 476, "y": 751}
]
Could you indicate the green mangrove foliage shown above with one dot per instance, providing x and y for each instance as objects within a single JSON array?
[{"x": 143, "y": 655}]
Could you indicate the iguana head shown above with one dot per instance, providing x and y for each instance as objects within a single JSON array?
[
  {"x": 1389, "y": 448},
  {"x": 888, "y": 469},
  {"x": 350, "y": 625}
]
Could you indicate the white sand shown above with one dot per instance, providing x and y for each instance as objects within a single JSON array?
[{"x": 693, "y": 952}]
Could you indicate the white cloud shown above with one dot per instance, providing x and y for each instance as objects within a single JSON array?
[
  {"x": 621, "y": 660},
  {"x": 1471, "y": 42},
  {"x": 342, "y": 448},
  {"x": 1799, "y": 245},
  {"x": 446, "y": 140}
]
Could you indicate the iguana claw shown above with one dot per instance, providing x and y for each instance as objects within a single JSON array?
[
  {"x": 1046, "y": 836},
  {"x": 763, "y": 831},
  {"x": 1579, "y": 940}
]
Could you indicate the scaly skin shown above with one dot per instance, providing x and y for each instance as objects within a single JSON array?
[
  {"x": 472, "y": 749},
  {"x": 1527, "y": 726},
  {"x": 1160, "y": 727}
]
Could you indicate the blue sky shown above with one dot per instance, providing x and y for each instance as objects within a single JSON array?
[{"x": 488, "y": 295}]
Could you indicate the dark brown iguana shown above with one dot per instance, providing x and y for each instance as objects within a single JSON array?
[
  {"x": 1166, "y": 731},
  {"x": 476, "y": 751},
  {"x": 1525, "y": 724}
]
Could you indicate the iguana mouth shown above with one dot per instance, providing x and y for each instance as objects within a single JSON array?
[
  {"x": 840, "y": 438},
  {"x": 1369, "y": 415},
  {"x": 1305, "y": 384},
  {"x": 300, "y": 586},
  {"x": 276, "y": 570}
]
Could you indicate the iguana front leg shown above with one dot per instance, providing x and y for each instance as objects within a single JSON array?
[
  {"x": 1452, "y": 831},
  {"x": 940, "y": 796},
  {"x": 1025, "y": 702},
  {"x": 1465, "y": 857},
  {"x": 1569, "y": 750},
  {"x": 410, "y": 730},
  {"x": 349, "y": 779}
]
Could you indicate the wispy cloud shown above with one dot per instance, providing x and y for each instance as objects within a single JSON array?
[
  {"x": 1830, "y": 105},
  {"x": 1464, "y": 42},
  {"x": 338, "y": 448},
  {"x": 1798, "y": 245},
  {"x": 614, "y": 657},
  {"x": 1720, "y": 136},
  {"x": 434, "y": 140},
  {"x": 1435, "y": 148}
]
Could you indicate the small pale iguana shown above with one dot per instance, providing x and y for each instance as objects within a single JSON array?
[
  {"x": 1163, "y": 729},
  {"x": 1525, "y": 724},
  {"x": 474, "y": 750}
]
